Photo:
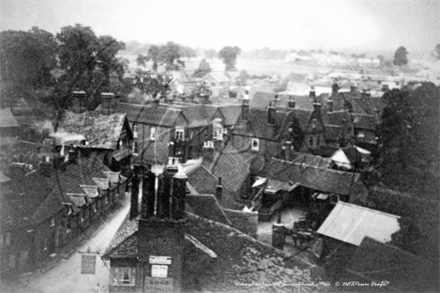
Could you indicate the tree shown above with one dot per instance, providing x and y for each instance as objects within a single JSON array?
[
  {"x": 88, "y": 61},
  {"x": 408, "y": 139},
  {"x": 400, "y": 57},
  {"x": 204, "y": 69},
  {"x": 229, "y": 55},
  {"x": 436, "y": 52},
  {"x": 187, "y": 52},
  {"x": 162, "y": 55},
  {"x": 27, "y": 57},
  {"x": 210, "y": 54}
]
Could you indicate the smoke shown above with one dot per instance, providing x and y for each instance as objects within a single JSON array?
[{"x": 60, "y": 136}]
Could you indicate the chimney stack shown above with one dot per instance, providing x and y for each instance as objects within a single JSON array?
[
  {"x": 275, "y": 100},
  {"x": 219, "y": 190},
  {"x": 107, "y": 100},
  {"x": 148, "y": 196},
  {"x": 291, "y": 103},
  {"x": 335, "y": 88},
  {"x": 312, "y": 94},
  {"x": 208, "y": 151},
  {"x": 134, "y": 201},
  {"x": 245, "y": 109},
  {"x": 46, "y": 167},
  {"x": 353, "y": 89},
  {"x": 79, "y": 101},
  {"x": 179, "y": 195},
  {"x": 271, "y": 111}
]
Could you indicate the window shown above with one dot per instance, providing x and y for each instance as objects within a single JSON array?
[
  {"x": 180, "y": 131},
  {"x": 311, "y": 141},
  {"x": 318, "y": 140},
  {"x": 153, "y": 133},
  {"x": 123, "y": 276},
  {"x": 255, "y": 144},
  {"x": 135, "y": 147},
  {"x": 52, "y": 222},
  {"x": 135, "y": 131},
  {"x": 218, "y": 133}
]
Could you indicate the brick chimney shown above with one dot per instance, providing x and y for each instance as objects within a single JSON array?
[
  {"x": 271, "y": 111},
  {"x": 148, "y": 194},
  {"x": 335, "y": 88},
  {"x": 291, "y": 103},
  {"x": 276, "y": 99},
  {"x": 134, "y": 201},
  {"x": 179, "y": 195},
  {"x": 312, "y": 94},
  {"x": 288, "y": 149},
  {"x": 219, "y": 190},
  {"x": 353, "y": 89},
  {"x": 244, "y": 109},
  {"x": 208, "y": 151},
  {"x": 107, "y": 101},
  {"x": 79, "y": 103}
]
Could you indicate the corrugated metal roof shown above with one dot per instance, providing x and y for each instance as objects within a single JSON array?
[{"x": 351, "y": 224}]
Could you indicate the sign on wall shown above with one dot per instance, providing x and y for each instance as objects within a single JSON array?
[
  {"x": 158, "y": 284},
  {"x": 88, "y": 263},
  {"x": 159, "y": 271},
  {"x": 160, "y": 260}
]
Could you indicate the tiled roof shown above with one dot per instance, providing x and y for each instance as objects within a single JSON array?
[
  {"x": 365, "y": 121},
  {"x": 302, "y": 102},
  {"x": 207, "y": 206},
  {"x": 303, "y": 117},
  {"x": 203, "y": 180},
  {"x": 338, "y": 117},
  {"x": 163, "y": 116},
  {"x": 238, "y": 258},
  {"x": 257, "y": 125},
  {"x": 199, "y": 115},
  {"x": 332, "y": 132},
  {"x": 351, "y": 224},
  {"x": 7, "y": 119},
  {"x": 405, "y": 272},
  {"x": 231, "y": 113},
  {"x": 321, "y": 179},
  {"x": 100, "y": 131},
  {"x": 233, "y": 167},
  {"x": 312, "y": 160}
]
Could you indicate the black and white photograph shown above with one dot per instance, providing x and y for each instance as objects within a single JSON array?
[{"x": 219, "y": 146}]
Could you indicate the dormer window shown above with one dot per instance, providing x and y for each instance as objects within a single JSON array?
[
  {"x": 255, "y": 144},
  {"x": 135, "y": 131},
  {"x": 180, "y": 133}
]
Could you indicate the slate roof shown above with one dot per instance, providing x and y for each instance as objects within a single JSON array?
[
  {"x": 208, "y": 207},
  {"x": 27, "y": 194},
  {"x": 149, "y": 115},
  {"x": 199, "y": 114},
  {"x": 100, "y": 131},
  {"x": 303, "y": 117},
  {"x": 312, "y": 160},
  {"x": 351, "y": 224},
  {"x": 257, "y": 125},
  {"x": 332, "y": 132},
  {"x": 364, "y": 121},
  {"x": 405, "y": 272},
  {"x": 232, "y": 166},
  {"x": 7, "y": 120},
  {"x": 317, "y": 178},
  {"x": 231, "y": 113},
  {"x": 240, "y": 258},
  {"x": 302, "y": 102}
]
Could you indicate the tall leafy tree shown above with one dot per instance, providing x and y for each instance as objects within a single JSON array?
[
  {"x": 204, "y": 69},
  {"x": 229, "y": 56},
  {"x": 27, "y": 57},
  {"x": 400, "y": 57},
  {"x": 162, "y": 55},
  {"x": 408, "y": 137},
  {"x": 88, "y": 61}
]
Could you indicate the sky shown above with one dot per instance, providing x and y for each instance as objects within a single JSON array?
[{"x": 353, "y": 25}]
